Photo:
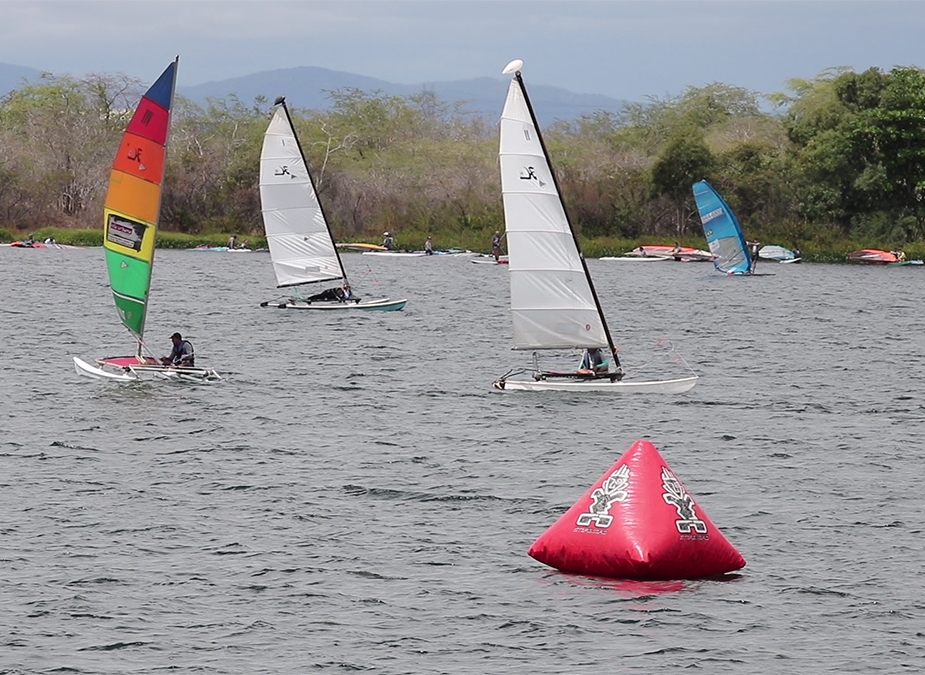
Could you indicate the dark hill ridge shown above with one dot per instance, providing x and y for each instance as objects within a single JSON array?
[{"x": 305, "y": 87}]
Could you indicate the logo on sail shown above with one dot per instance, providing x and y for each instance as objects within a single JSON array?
[
  {"x": 707, "y": 217},
  {"x": 612, "y": 490},
  {"x": 125, "y": 232},
  {"x": 529, "y": 173},
  {"x": 677, "y": 496},
  {"x": 283, "y": 171}
]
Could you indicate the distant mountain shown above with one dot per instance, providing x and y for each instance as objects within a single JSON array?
[
  {"x": 11, "y": 77},
  {"x": 305, "y": 87}
]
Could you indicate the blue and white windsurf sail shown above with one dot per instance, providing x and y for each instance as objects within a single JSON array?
[{"x": 722, "y": 230}]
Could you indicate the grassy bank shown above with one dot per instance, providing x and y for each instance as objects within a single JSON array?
[{"x": 829, "y": 252}]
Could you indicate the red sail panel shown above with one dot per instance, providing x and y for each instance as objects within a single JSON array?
[{"x": 150, "y": 121}]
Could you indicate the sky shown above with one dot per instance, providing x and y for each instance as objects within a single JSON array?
[{"x": 629, "y": 50}]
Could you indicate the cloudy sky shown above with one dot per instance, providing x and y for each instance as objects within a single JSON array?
[{"x": 621, "y": 48}]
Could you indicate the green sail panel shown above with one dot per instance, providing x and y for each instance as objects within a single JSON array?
[{"x": 129, "y": 279}]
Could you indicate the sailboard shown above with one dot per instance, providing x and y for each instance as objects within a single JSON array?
[
  {"x": 553, "y": 301},
  {"x": 778, "y": 254},
  {"x": 130, "y": 217},
  {"x": 301, "y": 246},
  {"x": 723, "y": 232}
]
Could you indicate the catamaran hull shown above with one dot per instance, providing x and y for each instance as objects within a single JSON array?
[
  {"x": 144, "y": 372},
  {"x": 380, "y": 304},
  {"x": 636, "y": 258},
  {"x": 677, "y": 386}
]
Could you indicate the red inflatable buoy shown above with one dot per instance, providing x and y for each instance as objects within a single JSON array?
[{"x": 637, "y": 522}]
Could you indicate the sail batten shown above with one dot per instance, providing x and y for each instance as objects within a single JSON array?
[
  {"x": 722, "y": 231},
  {"x": 133, "y": 199},
  {"x": 300, "y": 242},
  {"x": 553, "y": 305}
]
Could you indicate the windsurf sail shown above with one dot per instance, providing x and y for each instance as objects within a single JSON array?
[
  {"x": 133, "y": 202},
  {"x": 300, "y": 242},
  {"x": 553, "y": 302},
  {"x": 873, "y": 255},
  {"x": 722, "y": 230}
]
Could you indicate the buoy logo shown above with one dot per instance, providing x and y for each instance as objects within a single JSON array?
[
  {"x": 612, "y": 490},
  {"x": 677, "y": 496}
]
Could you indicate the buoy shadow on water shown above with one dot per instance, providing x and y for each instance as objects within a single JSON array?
[{"x": 637, "y": 522}]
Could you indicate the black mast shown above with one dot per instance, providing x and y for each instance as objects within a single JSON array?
[{"x": 555, "y": 181}]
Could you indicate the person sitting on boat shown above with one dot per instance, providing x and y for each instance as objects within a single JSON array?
[
  {"x": 50, "y": 240},
  {"x": 593, "y": 363},
  {"x": 181, "y": 356},
  {"x": 232, "y": 240},
  {"x": 348, "y": 295},
  {"x": 429, "y": 246},
  {"x": 338, "y": 293},
  {"x": 243, "y": 244},
  {"x": 387, "y": 243},
  {"x": 496, "y": 245},
  {"x": 676, "y": 251}
]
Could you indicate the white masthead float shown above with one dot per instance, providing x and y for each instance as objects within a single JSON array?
[
  {"x": 553, "y": 301},
  {"x": 301, "y": 245}
]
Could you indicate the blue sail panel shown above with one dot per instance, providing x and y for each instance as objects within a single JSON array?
[{"x": 722, "y": 230}]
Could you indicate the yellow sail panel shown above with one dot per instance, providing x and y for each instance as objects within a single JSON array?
[
  {"x": 128, "y": 235},
  {"x": 128, "y": 194}
]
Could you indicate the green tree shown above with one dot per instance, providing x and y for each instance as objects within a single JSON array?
[{"x": 685, "y": 160}]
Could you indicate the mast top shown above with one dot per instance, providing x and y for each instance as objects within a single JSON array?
[{"x": 513, "y": 67}]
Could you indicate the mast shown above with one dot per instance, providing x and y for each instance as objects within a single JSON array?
[
  {"x": 555, "y": 180},
  {"x": 160, "y": 198},
  {"x": 311, "y": 179}
]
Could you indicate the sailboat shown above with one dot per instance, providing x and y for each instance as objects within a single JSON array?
[
  {"x": 723, "y": 232},
  {"x": 553, "y": 301},
  {"x": 130, "y": 218},
  {"x": 301, "y": 245}
]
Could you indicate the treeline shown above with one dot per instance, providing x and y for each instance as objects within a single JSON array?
[{"x": 840, "y": 157}]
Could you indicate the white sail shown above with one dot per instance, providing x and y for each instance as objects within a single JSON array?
[
  {"x": 300, "y": 242},
  {"x": 552, "y": 303}
]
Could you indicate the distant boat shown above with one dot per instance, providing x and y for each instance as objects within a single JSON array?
[
  {"x": 453, "y": 252},
  {"x": 359, "y": 246},
  {"x": 873, "y": 256},
  {"x": 490, "y": 260},
  {"x": 39, "y": 244},
  {"x": 778, "y": 254},
  {"x": 723, "y": 232},
  {"x": 301, "y": 245},
  {"x": 130, "y": 216},
  {"x": 650, "y": 252},
  {"x": 553, "y": 301}
]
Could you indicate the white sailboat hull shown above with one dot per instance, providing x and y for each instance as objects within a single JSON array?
[
  {"x": 378, "y": 304},
  {"x": 145, "y": 372},
  {"x": 676, "y": 386},
  {"x": 637, "y": 258}
]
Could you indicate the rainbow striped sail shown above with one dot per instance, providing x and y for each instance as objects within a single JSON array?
[{"x": 133, "y": 202}]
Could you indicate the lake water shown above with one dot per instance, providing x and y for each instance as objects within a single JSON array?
[{"x": 353, "y": 496}]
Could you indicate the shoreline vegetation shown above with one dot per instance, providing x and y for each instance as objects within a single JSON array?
[
  {"x": 838, "y": 164},
  {"x": 592, "y": 248}
]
